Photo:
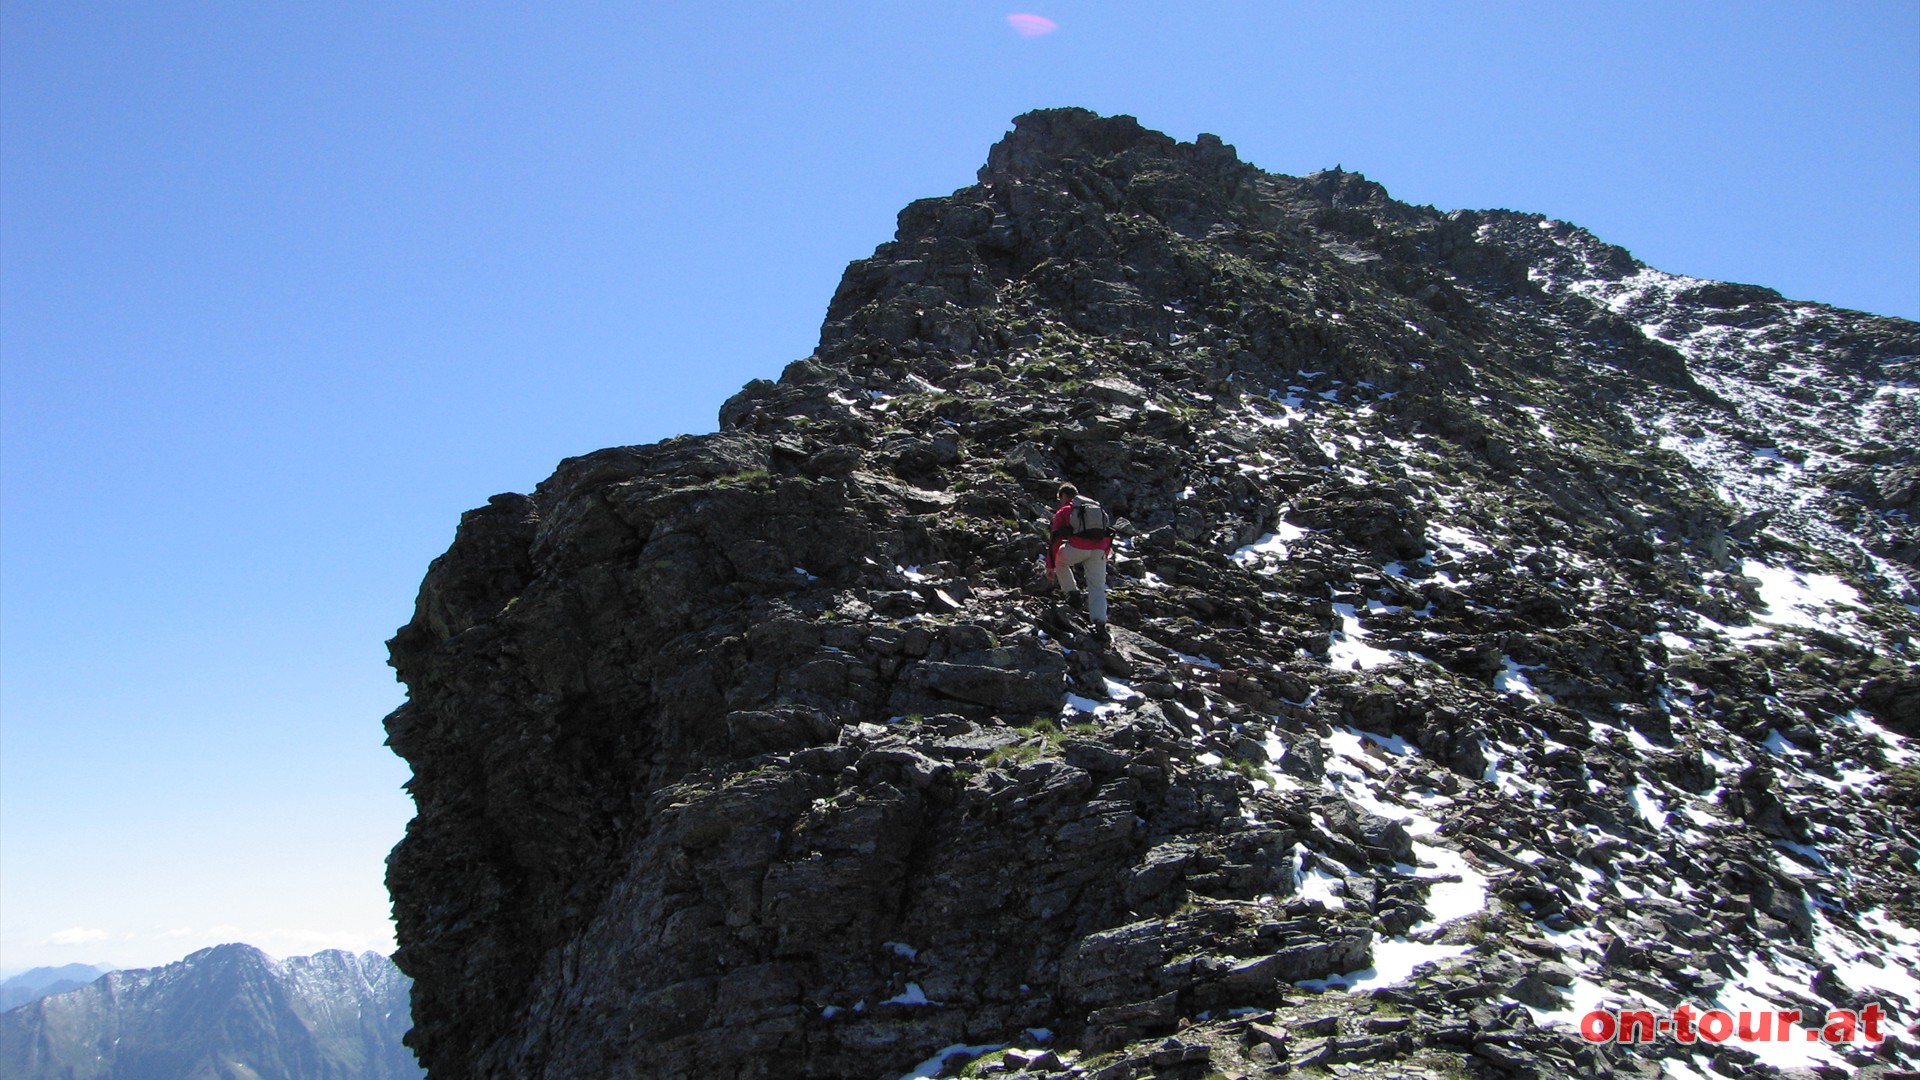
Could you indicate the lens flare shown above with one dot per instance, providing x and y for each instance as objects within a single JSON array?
[{"x": 1032, "y": 25}]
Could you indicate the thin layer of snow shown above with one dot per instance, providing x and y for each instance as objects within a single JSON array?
[
  {"x": 1813, "y": 601},
  {"x": 1317, "y": 883},
  {"x": 1392, "y": 744},
  {"x": 1685, "y": 1069},
  {"x": 1778, "y": 744},
  {"x": 912, "y": 995},
  {"x": 1196, "y": 661},
  {"x": 1458, "y": 540},
  {"x": 1858, "y": 778},
  {"x": 937, "y": 1064},
  {"x": 1648, "y": 807},
  {"x": 1768, "y": 981},
  {"x": 1896, "y": 946},
  {"x": 1675, "y": 643},
  {"x": 1763, "y": 987},
  {"x": 1894, "y": 744},
  {"x": 1450, "y": 900},
  {"x": 1394, "y": 960},
  {"x": 1348, "y": 648},
  {"x": 1513, "y": 680},
  {"x": 1512, "y": 780},
  {"x": 1268, "y": 551},
  {"x": 1077, "y": 704},
  {"x": 1276, "y": 750},
  {"x": 1780, "y": 374},
  {"x": 1583, "y": 996}
]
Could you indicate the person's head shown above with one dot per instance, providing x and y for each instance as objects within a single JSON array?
[{"x": 1068, "y": 493}]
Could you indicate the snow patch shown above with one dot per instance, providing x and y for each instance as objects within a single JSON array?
[
  {"x": 1348, "y": 649},
  {"x": 1394, "y": 961},
  {"x": 1812, "y": 601},
  {"x": 1648, "y": 807},
  {"x": 1266, "y": 553},
  {"x": 912, "y": 995},
  {"x": 1514, "y": 681},
  {"x": 937, "y": 1064}
]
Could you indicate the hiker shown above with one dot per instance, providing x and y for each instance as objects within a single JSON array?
[{"x": 1082, "y": 536}]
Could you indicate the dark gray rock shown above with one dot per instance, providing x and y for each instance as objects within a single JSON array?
[{"x": 767, "y": 753}]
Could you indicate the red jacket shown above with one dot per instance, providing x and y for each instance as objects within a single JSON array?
[{"x": 1062, "y": 521}]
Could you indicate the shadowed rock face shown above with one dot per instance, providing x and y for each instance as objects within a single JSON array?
[{"x": 1495, "y": 600}]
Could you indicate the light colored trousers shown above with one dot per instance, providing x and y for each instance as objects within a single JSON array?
[{"x": 1095, "y": 561}]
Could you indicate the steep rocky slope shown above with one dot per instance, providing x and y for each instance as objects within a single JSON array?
[
  {"x": 1510, "y": 628},
  {"x": 226, "y": 1013}
]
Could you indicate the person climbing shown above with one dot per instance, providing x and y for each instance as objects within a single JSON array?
[{"x": 1083, "y": 537}]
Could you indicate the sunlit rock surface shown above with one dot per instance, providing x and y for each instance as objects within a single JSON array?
[{"x": 1509, "y": 630}]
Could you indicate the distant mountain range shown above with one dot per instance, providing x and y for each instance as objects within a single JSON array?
[
  {"x": 42, "y": 981},
  {"x": 226, "y": 1012}
]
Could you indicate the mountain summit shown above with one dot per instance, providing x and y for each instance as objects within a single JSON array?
[
  {"x": 1509, "y": 631},
  {"x": 230, "y": 1012},
  {"x": 31, "y": 986}
]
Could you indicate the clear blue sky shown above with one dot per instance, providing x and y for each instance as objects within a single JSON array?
[{"x": 284, "y": 288}]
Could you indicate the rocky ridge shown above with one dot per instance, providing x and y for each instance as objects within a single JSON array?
[
  {"x": 1510, "y": 629},
  {"x": 31, "y": 986},
  {"x": 230, "y": 1012}
]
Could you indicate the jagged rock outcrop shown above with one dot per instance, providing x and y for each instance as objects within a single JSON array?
[
  {"x": 222, "y": 1013},
  {"x": 1498, "y": 605}
]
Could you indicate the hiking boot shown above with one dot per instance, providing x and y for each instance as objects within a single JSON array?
[{"x": 1100, "y": 631}]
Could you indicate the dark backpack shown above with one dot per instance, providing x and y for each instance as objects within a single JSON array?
[{"x": 1089, "y": 520}]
